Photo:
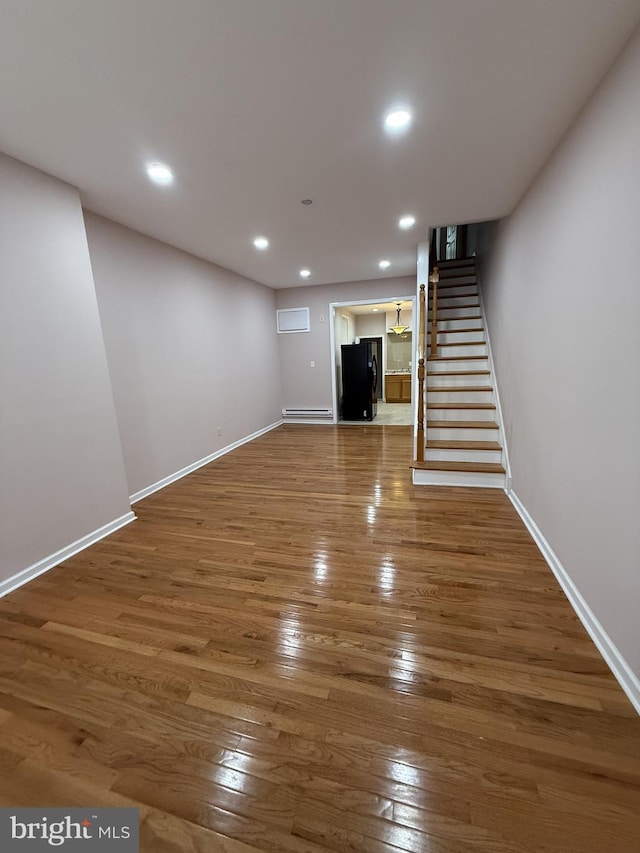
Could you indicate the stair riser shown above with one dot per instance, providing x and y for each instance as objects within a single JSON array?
[
  {"x": 446, "y": 365},
  {"x": 461, "y": 434},
  {"x": 458, "y": 278},
  {"x": 433, "y": 382},
  {"x": 460, "y": 349},
  {"x": 435, "y": 396},
  {"x": 458, "y": 290},
  {"x": 453, "y": 324},
  {"x": 464, "y": 455},
  {"x": 461, "y": 414},
  {"x": 458, "y": 337},
  {"x": 448, "y": 265},
  {"x": 451, "y": 478},
  {"x": 455, "y": 313},
  {"x": 454, "y": 301}
]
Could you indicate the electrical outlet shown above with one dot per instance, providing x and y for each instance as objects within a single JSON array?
[
  {"x": 219, "y": 430},
  {"x": 312, "y": 363}
]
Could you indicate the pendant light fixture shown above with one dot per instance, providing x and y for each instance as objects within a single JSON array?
[{"x": 398, "y": 329}]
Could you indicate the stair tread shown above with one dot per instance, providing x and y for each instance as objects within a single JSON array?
[
  {"x": 468, "y": 296},
  {"x": 456, "y": 272},
  {"x": 437, "y": 444},
  {"x": 458, "y": 373},
  {"x": 448, "y": 389},
  {"x": 449, "y": 319},
  {"x": 457, "y": 357},
  {"x": 461, "y": 406},
  {"x": 444, "y": 284},
  {"x": 477, "y": 467},
  {"x": 456, "y": 331},
  {"x": 443, "y": 299},
  {"x": 461, "y": 343},
  {"x": 462, "y": 425},
  {"x": 454, "y": 308}
]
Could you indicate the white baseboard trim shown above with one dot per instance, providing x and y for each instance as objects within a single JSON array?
[
  {"x": 623, "y": 673},
  {"x": 42, "y": 566},
  {"x": 171, "y": 478}
]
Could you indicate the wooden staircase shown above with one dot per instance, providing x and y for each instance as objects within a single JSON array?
[{"x": 463, "y": 435}]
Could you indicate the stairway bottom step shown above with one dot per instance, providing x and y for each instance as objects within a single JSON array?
[
  {"x": 437, "y": 444},
  {"x": 468, "y": 467},
  {"x": 461, "y": 424},
  {"x": 458, "y": 372}
]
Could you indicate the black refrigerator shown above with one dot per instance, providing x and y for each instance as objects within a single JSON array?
[{"x": 359, "y": 382}]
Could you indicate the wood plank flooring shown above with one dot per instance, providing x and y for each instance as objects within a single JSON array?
[{"x": 295, "y": 650}]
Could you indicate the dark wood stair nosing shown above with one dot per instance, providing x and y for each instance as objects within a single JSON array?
[
  {"x": 457, "y": 357},
  {"x": 458, "y": 373},
  {"x": 440, "y": 444},
  {"x": 457, "y": 331},
  {"x": 456, "y": 406},
  {"x": 462, "y": 467},
  {"x": 458, "y": 389},
  {"x": 462, "y": 343},
  {"x": 434, "y": 424}
]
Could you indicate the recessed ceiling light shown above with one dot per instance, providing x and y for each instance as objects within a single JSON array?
[
  {"x": 398, "y": 120},
  {"x": 407, "y": 221},
  {"x": 307, "y": 201},
  {"x": 305, "y": 273},
  {"x": 261, "y": 243},
  {"x": 384, "y": 264},
  {"x": 375, "y": 309},
  {"x": 160, "y": 174}
]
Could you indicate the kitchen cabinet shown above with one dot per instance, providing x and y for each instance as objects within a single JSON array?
[{"x": 397, "y": 387}]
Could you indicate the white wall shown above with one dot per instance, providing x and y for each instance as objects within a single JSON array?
[
  {"x": 191, "y": 347},
  {"x": 303, "y": 385},
  {"x": 371, "y": 325},
  {"x": 61, "y": 469},
  {"x": 562, "y": 292}
]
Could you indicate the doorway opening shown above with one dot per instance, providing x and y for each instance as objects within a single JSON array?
[{"x": 395, "y": 355}]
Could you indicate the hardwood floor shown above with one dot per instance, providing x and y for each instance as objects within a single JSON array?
[{"x": 295, "y": 650}]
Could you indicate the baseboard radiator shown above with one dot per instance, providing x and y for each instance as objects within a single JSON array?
[{"x": 307, "y": 413}]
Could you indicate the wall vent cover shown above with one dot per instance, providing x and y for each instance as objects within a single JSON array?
[{"x": 293, "y": 320}]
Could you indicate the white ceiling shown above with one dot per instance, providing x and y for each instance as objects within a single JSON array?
[{"x": 257, "y": 104}]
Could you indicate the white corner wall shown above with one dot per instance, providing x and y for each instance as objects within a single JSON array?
[
  {"x": 561, "y": 286},
  {"x": 192, "y": 351},
  {"x": 62, "y": 478}
]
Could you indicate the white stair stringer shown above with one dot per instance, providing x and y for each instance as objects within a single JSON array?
[{"x": 463, "y": 423}]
